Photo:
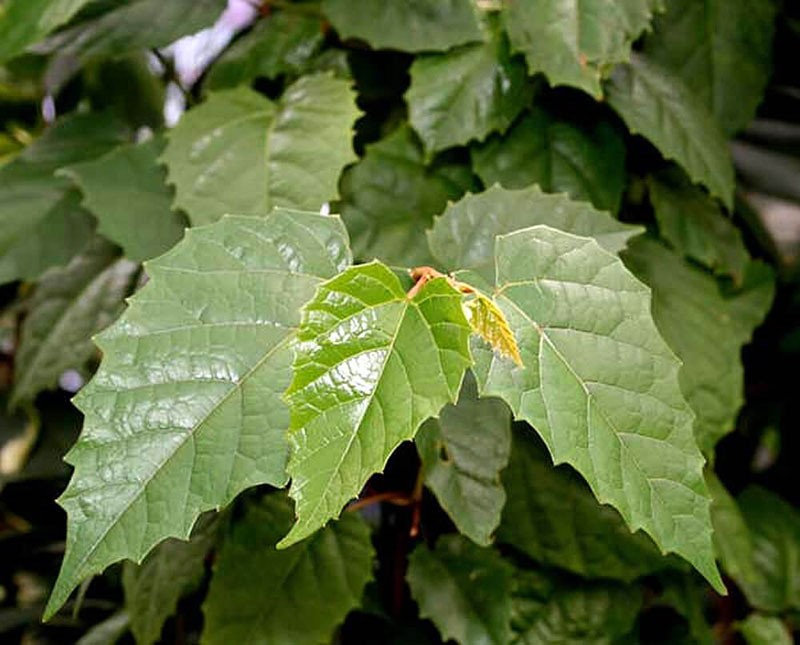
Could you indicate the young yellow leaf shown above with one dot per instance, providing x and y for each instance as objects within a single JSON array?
[{"x": 490, "y": 323}]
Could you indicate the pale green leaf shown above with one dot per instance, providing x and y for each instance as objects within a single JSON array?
[
  {"x": 263, "y": 596},
  {"x": 67, "y": 308},
  {"x": 464, "y": 237},
  {"x": 464, "y": 589},
  {"x": 657, "y": 105},
  {"x": 706, "y": 326},
  {"x": 463, "y": 452},
  {"x": 586, "y": 160},
  {"x": 186, "y": 411},
  {"x": 466, "y": 93},
  {"x": 126, "y": 191},
  {"x": 371, "y": 365},
  {"x": 760, "y": 629},
  {"x": 108, "y": 632},
  {"x": 600, "y": 385},
  {"x": 409, "y": 25},
  {"x": 576, "y": 42},
  {"x": 287, "y": 154},
  {"x": 390, "y": 197}
]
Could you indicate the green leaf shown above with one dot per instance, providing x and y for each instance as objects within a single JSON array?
[
  {"x": 170, "y": 571},
  {"x": 24, "y": 22},
  {"x": 409, "y": 25},
  {"x": 463, "y": 452},
  {"x": 586, "y": 160},
  {"x": 721, "y": 49},
  {"x": 552, "y": 517},
  {"x": 576, "y": 43},
  {"x": 390, "y": 197},
  {"x": 695, "y": 225},
  {"x": 108, "y": 632},
  {"x": 464, "y": 237},
  {"x": 370, "y": 366},
  {"x": 600, "y": 385},
  {"x": 759, "y": 629},
  {"x": 126, "y": 191},
  {"x": 464, "y": 589},
  {"x": 706, "y": 327},
  {"x": 297, "y": 596},
  {"x": 185, "y": 411},
  {"x": 467, "y": 93},
  {"x": 775, "y": 529},
  {"x": 288, "y": 154},
  {"x": 657, "y": 105},
  {"x": 688, "y": 596},
  {"x": 68, "y": 307}
]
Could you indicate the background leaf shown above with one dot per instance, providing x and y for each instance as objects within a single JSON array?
[{"x": 759, "y": 629}]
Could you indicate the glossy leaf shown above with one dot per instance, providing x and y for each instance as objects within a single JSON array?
[
  {"x": 464, "y": 589},
  {"x": 657, "y": 105},
  {"x": 288, "y": 154},
  {"x": 760, "y": 629},
  {"x": 371, "y": 365},
  {"x": 302, "y": 592},
  {"x": 621, "y": 422},
  {"x": 24, "y": 22},
  {"x": 463, "y": 452},
  {"x": 185, "y": 411}
]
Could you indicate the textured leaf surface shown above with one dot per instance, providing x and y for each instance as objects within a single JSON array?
[
  {"x": 552, "y": 516},
  {"x": 706, "y": 327},
  {"x": 185, "y": 410},
  {"x": 463, "y": 452},
  {"x": 575, "y": 42},
  {"x": 410, "y": 25},
  {"x": 464, "y": 589},
  {"x": 489, "y": 322},
  {"x": 585, "y": 160},
  {"x": 759, "y": 629},
  {"x": 126, "y": 191},
  {"x": 657, "y": 105},
  {"x": 371, "y": 365},
  {"x": 390, "y": 197},
  {"x": 287, "y": 154},
  {"x": 721, "y": 49},
  {"x": 600, "y": 385},
  {"x": 24, "y": 22},
  {"x": 467, "y": 93},
  {"x": 302, "y": 592},
  {"x": 464, "y": 237},
  {"x": 68, "y": 307}
]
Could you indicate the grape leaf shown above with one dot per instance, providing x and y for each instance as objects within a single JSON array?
[
  {"x": 655, "y": 104},
  {"x": 600, "y": 385},
  {"x": 586, "y": 160},
  {"x": 410, "y": 25},
  {"x": 185, "y": 411},
  {"x": 288, "y": 153},
  {"x": 303, "y": 592},
  {"x": 68, "y": 307},
  {"x": 761, "y": 629},
  {"x": 370, "y": 366},
  {"x": 463, "y": 452},
  {"x": 126, "y": 191},
  {"x": 467, "y": 93},
  {"x": 24, "y": 22},
  {"x": 464, "y": 236},
  {"x": 464, "y": 589},
  {"x": 576, "y": 42}
]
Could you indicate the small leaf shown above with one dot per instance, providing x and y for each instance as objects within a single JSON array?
[
  {"x": 370, "y": 366},
  {"x": 760, "y": 629},
  {"x": 107, "y": 632},
  {"x": 489, "y": 322}
]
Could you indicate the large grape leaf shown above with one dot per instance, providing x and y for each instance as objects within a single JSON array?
[
  {"x": 185, "y": 410},
  {"x": 586, "y": 160},
  {"x": 371, "y": 364},
  {"x": 263, "y": 596},
  {"x": 126, "y": 191},
  {"x": 576, "y": 42},
  {"x": 288, "y": 154},
  {"x": 721, "y": 49},
  {"x": 706, "y": 326},
  {"x": 464, "y": 589},
  {"x": 600, "y": 385},
  {"x": 24, "y": 22},
  {"x": 410, "y": 25},
  {"x": 552, "y": 516},
  {"x": 67, "y": 308},
  {"x": 463, "y": 452},
  {"x": 657, "y": 105},
  {"x": 464, "y": 236},
  {"x": 467, "y": 93}
]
